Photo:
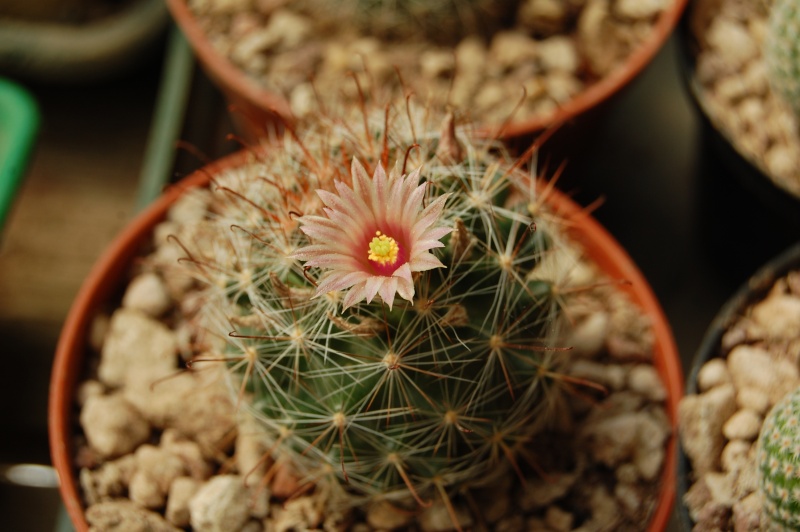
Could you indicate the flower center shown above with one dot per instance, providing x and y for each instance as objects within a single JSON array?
[{"x": 383, "y": 249}]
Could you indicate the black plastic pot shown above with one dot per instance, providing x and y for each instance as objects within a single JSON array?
[
  {"x": 752, "y": 291},
  {"x": 744, "y": 170},
  {"x": 744, "y": 217}
]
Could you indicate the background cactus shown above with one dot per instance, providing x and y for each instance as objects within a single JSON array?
[
  {"x": 782, "y": 51},
  {"x": 778, "y": 469},
  {"x": 408, "y": 396}
]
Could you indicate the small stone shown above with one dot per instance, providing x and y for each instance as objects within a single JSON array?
[
  {"x": 147, "y": 293},
  {"x": 627, "y": 474},
  {"x": 495, "y": 501},
  {"x": 109, "y": 481},
  {"x": 160, "y": 465},
  {"x": 713, "y": 373},
  {"x": 605, "y": 511},
  {"x": 138, "y": 350},
  {"x": 731, "y": 39},
  {"x": 206, "y": 415},
  {"x": 512, "y": 523},
  {"x": 611, "y": 376},
  {"x": 144, "y": 491},
  {"x": 700, "y": 418},
  {"x": 752, "y": 366},
  {"x": 437, "y": 518},
  {"x": 747, "y": 513},
  {"x": 110, "y": 515},
  {"x": 437, "y": 63},
  {"x": 588, "y": 336},
  {"x": 558, "y": 519},
  {"x": 697, "y": 497},
  {"x": 639, "y": 9},
  {"x": 753, "y": 399},
  {"x": 743, "y": 425},
  {"x": 719, "y": 487},
  {"x": 113, "y": 426},
  {"x": 559, "y": 54},
  {"x": 735, "y": 455},
  {"x": 180, "y": 493},
  {"x": 382, "y": 515},
  {"x": 562, "y": 86},
  {"x": 87, "y": 389},
  {"x": 545, "y": 17},
  {"x": 189, "y": 453},
  {"x": 219, "y": 505},
  {"x": 302, "y": 513},
  {"x": 539, "y": 493},
  {"x": 509, "y": 49},
  {"x": 779, "y": 315},
  {"x": 712, "y": 517},
  {"x": 251, "y": 450},
  {"x": 302, "y": 100},
  {"x": 629, "y": 498},
  {"x": 645, "y": 380}
]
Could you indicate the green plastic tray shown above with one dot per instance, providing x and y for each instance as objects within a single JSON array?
[{"x": 19, "y": 123}]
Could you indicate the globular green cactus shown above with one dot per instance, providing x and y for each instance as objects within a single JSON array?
[
  {"x": 390, "y": 295},
  {"x": 782, "y": 51},
  {"x": 778, "y": 459}
]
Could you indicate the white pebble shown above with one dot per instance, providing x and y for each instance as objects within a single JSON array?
[
  {"x": 645, "y": 380},
  {"x": 147, "y": 293},
  {"x": 743, "y": 425},
  {"x": 713, "y": 373}
]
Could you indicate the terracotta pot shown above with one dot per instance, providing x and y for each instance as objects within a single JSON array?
[
  {"x": 109, "y": 274},
  {"x": 752, "y": 291},
  {"x": 255, "y": 109}
]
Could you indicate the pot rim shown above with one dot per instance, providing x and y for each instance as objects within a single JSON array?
[
  {"x": 235, "y": 82},
  {"x": 105, "y": 275}
]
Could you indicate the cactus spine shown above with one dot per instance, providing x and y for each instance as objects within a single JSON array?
[
  {"x": 782, "y": 51},
  {"x": 391, "y": 390},
  {"x": 778, "y": 462}
]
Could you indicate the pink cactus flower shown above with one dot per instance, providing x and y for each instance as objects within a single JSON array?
[{"x": 373, "y": 236}]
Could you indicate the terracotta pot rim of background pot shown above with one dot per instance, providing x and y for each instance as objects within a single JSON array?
[
  {"x": 751, "y": 291},
  {"x": 105, "y": 276},
  {"x": 240, "y": 88}
]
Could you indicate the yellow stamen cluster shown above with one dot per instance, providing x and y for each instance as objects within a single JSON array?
[{"x": 383, "y": 249}]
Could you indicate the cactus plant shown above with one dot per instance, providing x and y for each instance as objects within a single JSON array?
[
  {"x": 782, "y": 51},
  {"x": 397, "y": 333},
  {"x": 777, "y": 460}
]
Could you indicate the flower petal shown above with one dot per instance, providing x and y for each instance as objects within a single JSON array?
[
  {"x": 387, "y": 290},
  {"x": 425, "y": 261}
]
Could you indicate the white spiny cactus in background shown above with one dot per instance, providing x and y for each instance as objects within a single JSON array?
[
  {"x": 782, "y": 51},
  {"x": 778, "y": 462}
]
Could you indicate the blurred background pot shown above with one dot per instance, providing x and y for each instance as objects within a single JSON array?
[
  {"x": 750, "y": 129},
  {"x": 109, "y": 274},
  {"x": 534, "y": 104},
  {"x": 738, "y": 325}
]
